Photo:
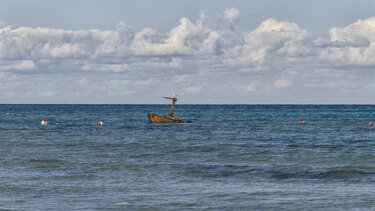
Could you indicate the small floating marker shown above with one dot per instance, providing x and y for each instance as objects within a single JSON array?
[
  {"x": 370, "y": 124},
  {"x": 303, "y": 121},
  {"x": 44, "y": 122},
  {"x": 8, "y": 113},
  {"x": 100, "y": 123}
]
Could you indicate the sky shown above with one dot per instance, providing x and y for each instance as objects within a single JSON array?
[{"x": 207, "y": 52}]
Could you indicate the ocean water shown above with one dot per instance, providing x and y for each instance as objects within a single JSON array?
[{"x": 231, "y": 157}]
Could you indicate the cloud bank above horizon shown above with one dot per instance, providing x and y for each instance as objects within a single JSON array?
[{"x": 203, "y": 60}]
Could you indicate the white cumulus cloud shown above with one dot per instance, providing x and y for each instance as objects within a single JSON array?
[
  {"x": 229, "y": 17},
  {"x": 351, "y": 45},
  {"x": 194, "y": 57},
  {"x": 271, "y": 40}
]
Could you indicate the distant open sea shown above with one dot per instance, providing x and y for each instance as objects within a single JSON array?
[{"x": 231, "y": 157}]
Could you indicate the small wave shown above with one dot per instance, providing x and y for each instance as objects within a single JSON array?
[
  {"x": 349, "y": 172},
  {"x": 50, "y": 163},
  {"x": 338, "y": 173},
  {"x": 281, "y": 173},
  {"x": 217, "y": 171},
  {"x": 122, "y": 203}
]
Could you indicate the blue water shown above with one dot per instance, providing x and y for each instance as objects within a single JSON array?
[{"x": 231, "y": 157}]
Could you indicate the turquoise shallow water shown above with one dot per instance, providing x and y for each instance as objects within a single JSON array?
[{"x": 256, "y": 157}]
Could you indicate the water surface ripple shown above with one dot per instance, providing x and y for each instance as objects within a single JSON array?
[{"x": 232, "y": 157}]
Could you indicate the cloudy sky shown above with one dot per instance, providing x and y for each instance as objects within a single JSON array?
[{"x": 212, "y": 51}]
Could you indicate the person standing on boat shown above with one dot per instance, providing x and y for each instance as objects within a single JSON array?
[{"x": 174, "y": 99}]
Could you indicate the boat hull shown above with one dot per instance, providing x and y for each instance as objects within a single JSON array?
[{"x": 163, "y": 119}]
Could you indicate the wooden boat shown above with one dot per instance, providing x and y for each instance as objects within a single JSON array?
[
  {"x": 163, "y": 119},
  {"x": 166, "y": 119}
]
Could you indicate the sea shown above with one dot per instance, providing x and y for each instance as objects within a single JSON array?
[{"x": 231, "y": 157}]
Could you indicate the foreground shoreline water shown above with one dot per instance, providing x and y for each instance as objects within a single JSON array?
[{"x": 231, "y": 157}]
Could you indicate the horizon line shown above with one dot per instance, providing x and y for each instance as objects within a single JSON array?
[{"x": 354, "y": 104}]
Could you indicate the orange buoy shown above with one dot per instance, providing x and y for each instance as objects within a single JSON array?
[
  {"x": 303, "y": 121},
  {"x": 369, "y": 124},
  {"x": 46, "y": 122},
  {"x": 100, "y": 123}
]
